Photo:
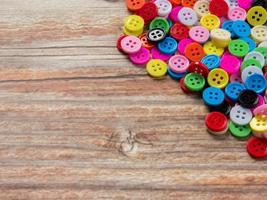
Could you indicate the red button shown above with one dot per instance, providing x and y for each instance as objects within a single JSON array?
[
  {"x": 148, "y": 12},
  {"x": 194, "y": 52},
  {"x": 216, "y": 121},
  {"x": 119, "y": 43},
  {"x": 199, "y": 68},
  {"x": 183, "y": 87},
  {"x": 256, "y": 147},
  {"x": 179, "y": 31},
  {"x": 219, "y": 8},
  {"x": 145, "y": 43}
]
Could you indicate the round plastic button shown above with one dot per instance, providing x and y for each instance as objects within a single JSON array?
[
  {"x": 188, "y": 3},
  {"x": 241, "y": 28},
  {"x": 164, "y": 7},
  {"x": 155, "y": 35},
  {"x": 218, "y": 78},
  {"x": 156, "y": 68},
  {"x": 199, "y": 68},
  {"x": 263, "y": 51},
  {"x": 211, "y": 61},
  {"x": 175, "y": 76},
  {"x": 228, "y": 25},
  {"x": 175, "y": 2},
  {"x": 134, "y": 23},
  {"x": 183, "y": 44},
  {"x": 259, "y": 123},
  {"x": 199, "y": 34},
  {"x": 236, "y": 78},
  {"x": 237, "y": 13},
  {"x": 248, "y": 99},
  {"x": 232, "y": 90},
  {"x": 134, "y": 5},
  {"x": 174, "y": 14},
  {"x": 194, "y": 82},
  {"x": 257, "y": 15},
  {"x": 213, "y": 96},
  {"x": 183, "y": 87},
  {"x": 210, "y": 21},
  {"x": 119, "y": 43},
  {"x": 211, "y": 48},
  {"x": 230, "y": 64},
  {"x": 248, "y": 71},
  {"x": 256, "y": 82},
  {"x": 156, "y": 54},
  {"x": 148, "y": 12},
  {"x": 218, "y": 7},
  {"x": 250, "y": 62},
  {"x": 201, "y": 7},
  {"x": 187, "y": 16},
  {"x": 145, "y": 43},
  {"x": 240, "y": 115},
  {"x": 251, "y": 43},
  {"x": 168, "y": 45},
  {"x": 179, "y": 31},
  {"x": 216, "y": 121},
  {"x": 232, "y": 3},
  {"x": 259, "y": 33},
  {"x": 239, "y": 131},
  {"x": 261, "y": 110},
  {"x": 141, "y": 57},
  {"x": 245, "y": 4},
  {"x": 256, "y": 147},
  {"x": 238, "y": 48},
  {"x": 194, "y": 52},
  {"x": 255, "y": 55},
  {"x": 128, "y": 32},
  {"x": 263, "y": 44},
  {"x": 160, "y": 23},
  {"x": 131, "y": 44},
  {"x": 178, "y": 63},
  {"x": 220, "y": 37}
]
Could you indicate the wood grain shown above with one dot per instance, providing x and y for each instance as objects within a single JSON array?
[{"x": 78, "y": 121}]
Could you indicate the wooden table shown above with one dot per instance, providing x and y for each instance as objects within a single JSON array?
[{"x": 78, "y": 121}]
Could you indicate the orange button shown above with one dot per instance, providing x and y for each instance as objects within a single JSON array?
[
  {"x": 134, "y": 5},
  {"x": 145, "y": 43},
  {"x": 194, "y": 52},
  {"x": 188, "y": 3},
  {"x": 175, "y": 2}
]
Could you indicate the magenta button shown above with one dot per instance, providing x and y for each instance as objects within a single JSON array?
[
  {"x": 230, "y": 64},
  {"x": 156, "y": 54},
  {"x": 141, "y": 57},
  {"x": 182, "y": 45}
]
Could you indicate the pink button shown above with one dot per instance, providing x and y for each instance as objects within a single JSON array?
[
  {"x": 156, "y": 54},
  {"x": 236, "y": 78},
  {"x": 178, "y": 63},
  {"x": 230, "y": 64},
  {"x": 245, "y": 4},
  {"x": 237, "y": 13},
  {"x": 199, "y": 34},
  {"x": 131, "y": 44},
  {"x": 182, "y": 45},
  {"x": 260, "y": 102},
  {"x": 174, "y": 13},
  {"x": 261, "y": 110},
  {"x": 141, "y": 57}
]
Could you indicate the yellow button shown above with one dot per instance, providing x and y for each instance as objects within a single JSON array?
[
  {"x": 218, "y": 78},
  {"x": 220, "y": 37},
  {"x": 257, "y": 15},
  {"x": 259, "y": 33},
  {"x": 202, "y": 7},
  {"x": 210, "y": 21},
  {"x": 137, "y": 33},
  {"x": 134, "y": 23},
  {"x": 156, "y": 68},
  {"x": 211, "y": 48},
  {"x": 259, "y": 123}
]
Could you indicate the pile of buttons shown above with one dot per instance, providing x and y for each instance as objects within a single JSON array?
[{"x": 215, "y": 48}]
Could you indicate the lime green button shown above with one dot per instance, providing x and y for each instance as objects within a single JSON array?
[
  {"x": 239, "y": 131},
  {"x": 160, "y": 22},
  {"x": 238, "y": 48},
  {"x": 194, "y": 82},
  {"x": 263, "y": 51},
  {"x": 250, "y": 62}
]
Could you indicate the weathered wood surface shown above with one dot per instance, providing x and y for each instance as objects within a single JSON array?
[{"x": 78, "y": 121}]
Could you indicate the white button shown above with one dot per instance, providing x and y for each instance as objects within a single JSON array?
[
  {"x": 164, "y": 7},
  {"x": 255, "y": 55},
  {"x": 187, "y": 16},
  {"x": 202, "y": 7},
  {"x": 240, "y": 115},
  {"x": 232, "y": 3},
  {"x": 263, "y": 44},
  {"x": 248, "y": 71}
]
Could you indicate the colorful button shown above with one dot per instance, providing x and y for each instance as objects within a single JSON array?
[
  {"x": 199, "y": 34},
  {"x": 218, "y": 7},
  {"x": 250, "y": 62},
  {"x": 261, "y": 110},
  {"x": 174, "y": 14},
  {"x": 210, "y": 21},
  {"x": 201, "y": 7},
  {"x": 164, "y": 7},
  {"x": 131, "y": 44},
  {"x": 211, "y": 61},
  {"x": 134, "y": 23},
  {"x": 245, "y": 4},
  {"x": 256, "y": 82},
  {"x": 251, "y": 43},
  {"x": 230, "y": 64},
  {"x": 194, "y": 52},
  {"x": 135, "y": 5},
  {"x": 188, "y": 3},
  {"x": 156, "y": 54},
  {"x": 232, "y": 3},
  {"x": 168, "y": 45},
  {"x": 148, "y": 12},
  {"x": 183, "y": 44},
  {"x": 259, "y": 123},
  {"x": 257, "y": 15},
  {"x": 216, "y": 121},
  {"x": 156, "y": 68},
  {"x": 228, "y": 25},
  {"x": 160, "y": 23},
  {"x": 237, "y": 13},
  {"x": 145, "y": 43},
  {"x": 239, "y": 131},
  {"x": 211, "y": 48},
  {"x": 194, "y": 82},
  {"x": 261, "y": 101},
  {"x": 175, "y": 2},
  {"x": 220, "y": 37},
  {"x": 141, "y": 57},
  {"x": 119, "y": 43},
  {"x": 187, "y": 16},
  {"x": 263, "y": 51},
  {"x": 218, "y": 78},
  {"x": 155, "y": 35},
  {"x": 256, "y": 147},
  {"x": 213, "y": 96},
  {"x": 183, "y": 87},
  {"x": 128, "y": 32},
  {"x": 255, "y": 55},
  {"x": 175, "y": 76},
  {"x": 248, "y": 71},
  {"x": 199, "y": 68},
  {"x": 236, "y": 78},
  {"x": 248, "y": 99},
  {"x": 238, "y": 48},
  {"x": 178, "y": 63},
  {"x": 232, "y": 90},
  {"x": 179, "y": 31},
  {"x": 259, "y": 33},
  {"x": 263, "y": 44},
  {"x": 241, "y": 28},
  {"x": 240, "y": 115}
]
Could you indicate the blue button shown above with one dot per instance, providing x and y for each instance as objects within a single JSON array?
[
  {"x": 250, "y": 42},
  {"x": 168, "y": 46},
  {"x": 232, "y": 90},
  {"x": 170, "y": 22},
  {"x": 213, "y": 96},
  {"x": 211, "y": 61},
  {"x": 241, "y": 28},
  {"x": 228, "y": 25},
  {"x": 256, "y": 82},
  {"x": 174, "y": 75}
]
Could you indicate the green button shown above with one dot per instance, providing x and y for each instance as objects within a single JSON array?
[
  {"x": 263, "y": 51},
  {"x": 250, "y": 62},
  {"x": 194, "y": 82},
  {"x": 238, "y": 48},
  {"x": 239, "y": 131},
  {"x": 160, "y": 23}
]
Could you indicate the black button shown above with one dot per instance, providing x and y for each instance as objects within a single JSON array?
[
  {"x": 262, "y": 3},
  {"x": 155, "y": 35},
  {"x": 248, "y": 98},
  {"x": 224, "y": 108}
]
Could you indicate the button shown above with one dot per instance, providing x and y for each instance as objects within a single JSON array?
[
  {"x": 134, "y": 5},
  {"x": 199, "y": 68},
  {"x": 199, "y": 34},
  {"x": 218, "y": 78},
  {"x": 250, "y": 62},
  {"x": 141, "y": 57},
  {"x": 256, "y": 147},
  {"x": 179, "y": 31},
  {"x": 259, "y": 33},
  {"x": 251, "y": 43},
  {"x": 259, "y": 123},
  {"x": 131, "y": 44},
  {"x": 174, "y": 14},
  {"x": 261, "y": 101},
  {"x": 156, "y": 35},
  {"x": 194, "y": 52},
  {"x": 119, "y": 43},
  {"x": 211, "y": 61},
  {"x": 156, "y": 54},
  {"x": 262, "y": 3},
  {"x": 201, "y": 7},
  {"x": 178, "y": 63},
  {"x": 241, "y": 28},
  {"x": 237, "y": 13},
  {"x": 134, "y": 23},
  {"x": 248, "y": 71},
  {"x": 236, "y": 78},
  {"x": 223, "y": 108},
  {"x": 232, "y": 3},
  {"x": 257, "y": 15},
  {"x": 148, "y": 12},
  {"x": 160, "y": 23},
  {"x": 213, "y": 96},
  {"x": 168, "y": 45},
  {"x": 238, "y": 48},
  {"x": 156, "y": 68},
  {"x": 175, "y": 76},
  {"x": 128, "y": 32},
  {"x": 245, "y": 4},
  {"x": 188, "y": 3},
  {"x": 220, "y": 37},
  {"x": 239, "y": 131},
  {"x": 228, "y": 25},
  {"x": 164, "y": 7},
  {"x": 183, "y": 87},
  {"x": 210, "y": 48},
  {"x": 263, "y": 51},
  {"x": 216, "y": 121},
  {"x": 232, "y": 90},
  {"x": 240, "y": 115},
  {"x": 210, "y": 21},
  {"x": 261, "y": 110},
  {"x": 230, "y": 64},
  {"x": 194, "y": 82},
  {"x": 145, "y": 43},
  {"x": 248, "y": 99},
  {"x": 256, "y": 82},
  {"x": 183, "y": 44},
  {"x": 218, "y": 7},
  {"x": 255, "y": 55},
  {"x": 263, "y": 44},
  {"x": 187, "y": 16},
  {"x": 175, "y": 2}
]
